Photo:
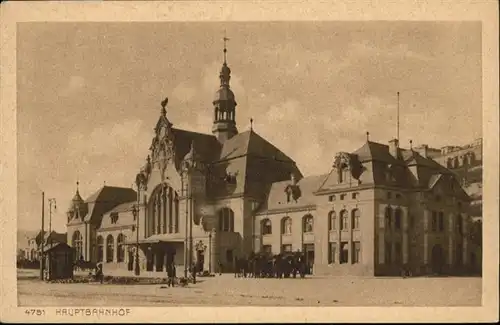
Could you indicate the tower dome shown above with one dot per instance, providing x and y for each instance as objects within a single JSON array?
[
  {"x": 224, "y": 126},
  {"x": 77, "y": 207}
]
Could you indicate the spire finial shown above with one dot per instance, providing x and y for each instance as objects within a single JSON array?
[
  {"x": 225, "y": 39},
  {"x": 411, "y": 144},
  {"x": 163, "y": 106},
  {"x": 251, "y": 124},
  {"x": 367, "y": 136},
  {"x": 77, "y": 184}
]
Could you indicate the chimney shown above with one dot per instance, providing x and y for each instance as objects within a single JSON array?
[{"x": 393, "y": 148}]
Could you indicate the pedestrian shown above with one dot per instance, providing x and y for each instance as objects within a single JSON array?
[
  {"x": 99, "y": 274},
  {"x": 220, "y": 267},
  {"x": 170, "y": 274}
]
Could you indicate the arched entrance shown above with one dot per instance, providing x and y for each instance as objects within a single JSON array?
[{"x": 437, "y": 259}]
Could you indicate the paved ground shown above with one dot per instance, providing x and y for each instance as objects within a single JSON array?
[{"x": 225, "y": 290}]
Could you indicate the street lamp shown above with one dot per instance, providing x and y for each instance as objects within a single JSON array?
[
  {"x": 140, "y": 182},
  {"x": 135, "y": 213}
]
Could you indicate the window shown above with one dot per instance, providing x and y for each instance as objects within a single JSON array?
[
  {"x": 397, "y": 252},
  {"x": 388, "y": 251},
  {"x": 355, "y": 218},
  {"x": 438, "y": 198},
  {"x": 109, "y": 248},
  {"x": 100, "y": 248},
  {"x": 389, "y": 195},
  {"x": 286, "y": 248},
  {"x": 266, "y": 227},
  {"x": 331, "y": 198},
  {"x": 398, "y": 196},
  {"x": 342, "y": 196},
  {"x": 286, "y": 226},
  {"x": 388, "y": 217},
  {"x": 78, "y": 245},
  {"x": 229, "y": 255},
  {"x": 332, "y": 252},
  {"x": 121, "y": 248},
  {"x": 344, "y": 222},
  {"x": 332, "y": 220},
  {"x": 397, "y": 218},
  {"x": 308, "y": 224},
  {"x": 434, "y": 221},
  {"x": 356, "y": 252},
  {"x": 441, "y": 221},
  {"x": 114, "y": 217},
  {"x": 226, "y": 220},
  {"x": 267, "y": 249},
  {"x": 344, "y": 253},
  {"x": 355, "y": 196}
]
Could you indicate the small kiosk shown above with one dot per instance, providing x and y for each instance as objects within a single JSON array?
[{"x": 58, "y": 258}]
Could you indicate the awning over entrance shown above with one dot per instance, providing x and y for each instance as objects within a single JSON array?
[{"x": 156, "y": 239}]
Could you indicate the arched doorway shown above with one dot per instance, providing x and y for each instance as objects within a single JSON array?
[{"x": 437, "y": 259}]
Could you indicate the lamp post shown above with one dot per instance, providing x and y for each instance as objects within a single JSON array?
[
  {"x": 210, "y": 252},
  {"x": 140, "y": 182},
  {"x": 186, "y": 243},
  {"x": 135, "y": 212}
]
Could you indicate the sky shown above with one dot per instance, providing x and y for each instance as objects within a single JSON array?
[{"x": 89, "y": 94}]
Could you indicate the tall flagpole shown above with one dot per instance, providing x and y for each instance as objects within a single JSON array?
[
  {"x": 398, "y": 119},
  {"x": 41, "y": 258}
]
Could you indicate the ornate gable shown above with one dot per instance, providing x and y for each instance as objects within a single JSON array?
[{"x": 162, "y": 146}]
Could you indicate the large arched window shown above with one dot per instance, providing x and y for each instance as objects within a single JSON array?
[
  {"x": 388, "y": 217},
  {"x": 286, "y": 226},
  {"x": 100, "y": 248},
  {"x": 398, "y": 214},
  {"x": 266, "y": 227},
  {"x": 355, "y": 214},
  {"x": 77, "y": 243},
  {"x": 110, "y": 248},
  {"x": 121, "y": 248},
  {"x": 344, "y": 220},
  {"x": 307, "y": 223},
  {"x": 226, "y": 220},
  {"x": 163, "y": 211},
  {"x": 332, "y": 220}
]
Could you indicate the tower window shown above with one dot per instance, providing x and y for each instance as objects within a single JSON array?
[
  {"x": 342, "y": 196},
  {"x": 355, "y": 196},
  {"x": 331, "y": 198}
]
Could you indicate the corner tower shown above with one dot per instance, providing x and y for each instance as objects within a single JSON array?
[{"x": 224, "y": 126}]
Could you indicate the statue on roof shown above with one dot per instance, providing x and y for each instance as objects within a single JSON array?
[{"x": 163, "y": 106}]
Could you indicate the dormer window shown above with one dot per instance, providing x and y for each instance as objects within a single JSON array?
[{"x": 114, "y": 217}]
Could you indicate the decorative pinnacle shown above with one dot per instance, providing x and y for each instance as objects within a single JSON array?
[
  {"x": 367, "y": 136},
  {"x": 411, "y": 144},
  {"x": 251, "y": 123}
]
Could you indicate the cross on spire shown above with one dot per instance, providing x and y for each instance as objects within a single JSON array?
[{"x": 225, "y": 39}]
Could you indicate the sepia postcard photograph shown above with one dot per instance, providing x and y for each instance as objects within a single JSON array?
[{"x": 161, "y": 157}]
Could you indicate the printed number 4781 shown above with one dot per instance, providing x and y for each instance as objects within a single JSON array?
[{"x": 35, "y": 312}]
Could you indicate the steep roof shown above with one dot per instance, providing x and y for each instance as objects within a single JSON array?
[
  {"x": 375, "y": 151},
  {"x": 106, "y": 198},
  {"x": 250, "y": 143},
  {"x": 277, "y": 198},
  {"x": 207, "y": 146}
]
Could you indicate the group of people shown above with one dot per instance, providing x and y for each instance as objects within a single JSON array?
[{"x": 262, "y": 265}]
